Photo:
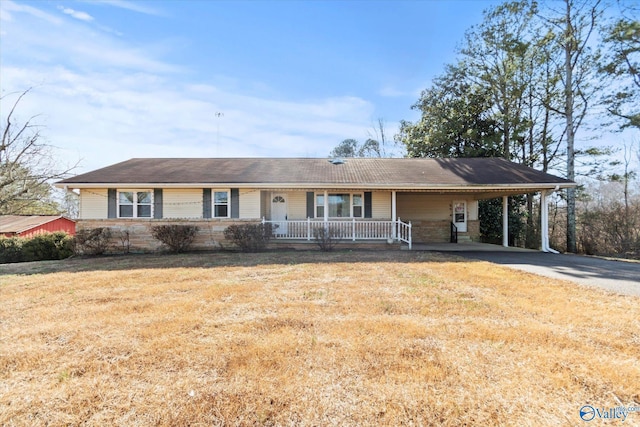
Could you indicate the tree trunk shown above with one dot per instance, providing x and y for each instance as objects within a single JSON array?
[{"x": 569, "y": 104}]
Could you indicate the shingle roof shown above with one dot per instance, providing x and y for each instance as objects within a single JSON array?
[
  {"x": 22, "y": 223},
  {"x": 386, "y": 173}
]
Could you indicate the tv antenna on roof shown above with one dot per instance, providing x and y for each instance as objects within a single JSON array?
[{"x": 218, "y": 115}]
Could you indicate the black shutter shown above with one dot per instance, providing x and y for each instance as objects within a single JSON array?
[
  {"x": 368, "y": 210},
  {"x": 310, "y": 204},
  {"x": 157, "y": 203},
  {"x": 112, "y": 204},
  {"x": 206, "y": 203},
  {"x": 235, "y": 203}
]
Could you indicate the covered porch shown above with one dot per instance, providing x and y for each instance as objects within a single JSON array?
[{"x": 429, "y": 217}]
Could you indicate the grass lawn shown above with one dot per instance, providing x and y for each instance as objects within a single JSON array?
[{"x": 308, "y": 338}]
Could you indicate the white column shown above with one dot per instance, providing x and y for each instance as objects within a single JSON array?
[
  {"x": 326, "y": 206},
  {"x": 505, "y": 221},
  {"x": 394, "y": 215}
]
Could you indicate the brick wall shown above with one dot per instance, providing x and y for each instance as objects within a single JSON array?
[
  {"x": 440, "y": 231},
  {"x": 210, "y": 234}
]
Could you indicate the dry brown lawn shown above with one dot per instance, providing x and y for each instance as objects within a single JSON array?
[{"x": 308, "y": 338}]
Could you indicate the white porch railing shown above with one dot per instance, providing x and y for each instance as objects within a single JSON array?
[{"x": 347, "y": 229}]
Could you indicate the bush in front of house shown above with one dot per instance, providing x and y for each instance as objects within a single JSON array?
[
  {"x": 326, "y": 237},
  {"x": 250, "y": 237},
  {"x": 46, "y": 246},
  {"x": 177, "y": 237},
  {"x": 92, "y": 241}
]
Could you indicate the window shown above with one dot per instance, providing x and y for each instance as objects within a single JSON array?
[
  {"x": 341, "y": 205},
  {"x": 135, "y": 204},
  {"x": 319, "y": 205},
  {"x": 357, "y": 203},
  {"x": 338, "y": 205},
  {"x": 221, "y": 204}
]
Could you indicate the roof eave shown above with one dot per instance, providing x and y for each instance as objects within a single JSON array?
[{"x": 302, "y": 186}]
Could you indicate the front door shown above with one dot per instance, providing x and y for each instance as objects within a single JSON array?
[
  {"x": 460, "y": 215},
  {"x": 279, "y": 212}
]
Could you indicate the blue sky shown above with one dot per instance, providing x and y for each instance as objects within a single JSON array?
[{"x": 116, "y": 79}]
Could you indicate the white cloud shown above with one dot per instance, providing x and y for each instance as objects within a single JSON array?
[
  {"x": 134, "y": 6},
  {"x": 82, "y": 16},
  {"x": 104, "y": 102}
]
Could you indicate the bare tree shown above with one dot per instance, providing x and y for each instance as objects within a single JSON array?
[{"x": 27, "y": 165}]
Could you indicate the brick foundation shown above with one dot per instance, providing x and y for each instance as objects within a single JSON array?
[
  {"x": 440, "y": 231},
  {"x": 210, "y": 234}
]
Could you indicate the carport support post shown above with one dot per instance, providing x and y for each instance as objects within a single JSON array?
[{"x": 505, "y": 221}]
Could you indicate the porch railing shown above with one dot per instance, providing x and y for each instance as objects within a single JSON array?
[{"x": 347, "y": 229}]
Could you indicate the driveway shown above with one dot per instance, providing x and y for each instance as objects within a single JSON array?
[{"x": 616, "y": 276}]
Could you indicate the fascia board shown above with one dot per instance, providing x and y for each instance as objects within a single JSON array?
[{"x": 291, "y": 185}]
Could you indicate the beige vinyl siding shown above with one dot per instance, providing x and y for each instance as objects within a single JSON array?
[
  {"x": 93, "y": 203},
  {"x": 381, "y": 204},
  {"x": 182, "y": 203},
  {"x": 472, "y": 209},
  {"x": 297, "y": 205},
  {"x": 249, "y": 203},
  {"x": 416, "y": 206}
]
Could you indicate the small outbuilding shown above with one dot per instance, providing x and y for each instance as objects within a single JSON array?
[{"x": 31, "y": 225}]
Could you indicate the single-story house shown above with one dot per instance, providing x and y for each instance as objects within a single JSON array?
[
  {"x": 400, "y": 200},
  {"x": 31, "y": 225}
]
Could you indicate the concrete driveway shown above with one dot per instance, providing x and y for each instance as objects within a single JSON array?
[{"x": 616, "y": 276}]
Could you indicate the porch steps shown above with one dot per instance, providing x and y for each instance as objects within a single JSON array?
[{"x": 464, "y": 238}]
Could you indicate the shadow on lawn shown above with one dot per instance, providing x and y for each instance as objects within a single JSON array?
[
  {"x": 568, "y": 267},
  {"x": 217, "y": 259}
]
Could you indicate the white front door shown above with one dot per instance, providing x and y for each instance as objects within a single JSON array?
[
  {"x": 460, "y": 215},
  {"x": 279, "y": 212}
]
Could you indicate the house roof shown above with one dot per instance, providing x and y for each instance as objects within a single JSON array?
[
  {"x": 397, "y": 173},
  {"x": 20, "y": 223}
]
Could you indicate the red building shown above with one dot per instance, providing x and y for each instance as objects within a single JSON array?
[{"x": 31, "y": 225}]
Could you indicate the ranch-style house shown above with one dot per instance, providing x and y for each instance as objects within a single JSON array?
[{"x": 368, "y": 201}]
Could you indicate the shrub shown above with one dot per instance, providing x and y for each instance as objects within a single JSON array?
[
  {"x": 48, "y": 246},
  {"x": 10, "y": 249},
  {"x": 326, "y": 237},
  {"x": 92, "y": 241},
  {"x": 177, "y": 237},
  {"x": 250, "y": 237}
]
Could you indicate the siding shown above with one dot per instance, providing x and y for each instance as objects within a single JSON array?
[
  {"x": 381, "y": 201},
  {"x": 60, "y": 224},
  {"x": 182, "y": 203},
  {"x": 249, "y": 203},
  {"x": 416, "y": 206},
  {"x": 93, "y": 203},
  {"x": 472, "y": 208},
  {"x": 297, "y": 205}
]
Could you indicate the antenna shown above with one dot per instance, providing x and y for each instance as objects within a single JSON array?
[{"x": 218, "y": 115}]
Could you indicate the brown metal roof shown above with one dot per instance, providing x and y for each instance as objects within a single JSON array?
[
  {"x": 21, "y": 223},
  {"x": 419, "y": 173}
]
